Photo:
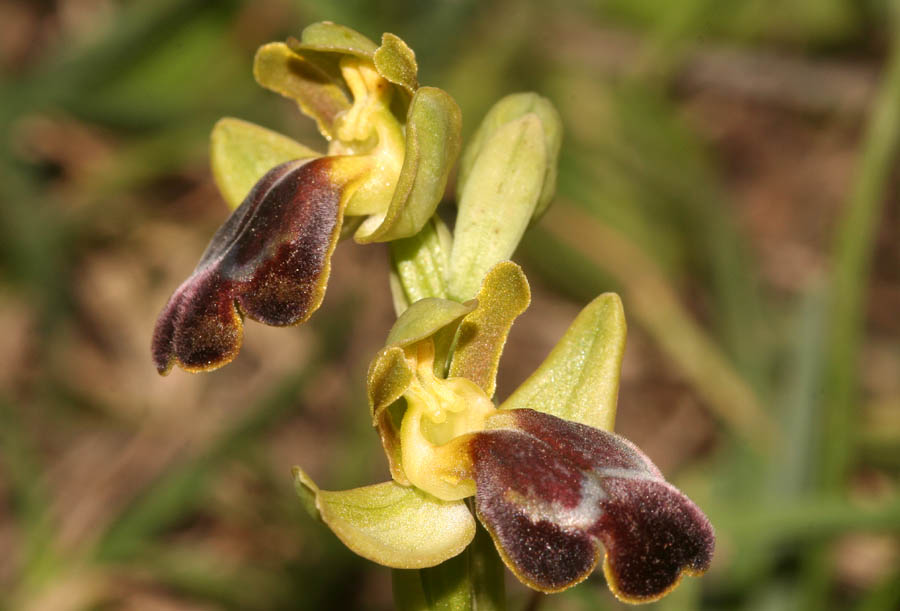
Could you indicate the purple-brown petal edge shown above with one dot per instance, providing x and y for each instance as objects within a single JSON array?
[
  {"x": 550, "y": 492},
  {"x": 269, "y": 261}
]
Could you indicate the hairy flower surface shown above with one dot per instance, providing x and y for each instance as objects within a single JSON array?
[
  {"x": 391, "y": 147},
  {"x": 553, "y": 488}
]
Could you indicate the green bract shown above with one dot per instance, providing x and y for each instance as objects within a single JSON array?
[
  {"x": 511, "y": 108},
  {"x": 507, "y": 177}
]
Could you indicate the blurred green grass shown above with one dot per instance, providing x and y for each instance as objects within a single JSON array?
[{"x": 103, "y": 176}]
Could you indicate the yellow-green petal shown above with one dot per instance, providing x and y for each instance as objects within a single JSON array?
[
  {"x": 241, "y": 153},
  {"x": 579, "y": 379},
  {"x": 433, "y": 129},
  {"x": 497, "y": 202},
  {"x": 280, "y": 69},
  {"x": 333, "y": 38},
  {"x": 389, "y": 375},
  {"x": 397, "y": 526},
  {"x": 396, "y": 62},
  {"x": 482, "y": 334}
]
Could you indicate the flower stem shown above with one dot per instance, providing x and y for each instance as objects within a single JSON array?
[
  {"x": 486, "y": 572},
  {"x": 445, "y": 587}
]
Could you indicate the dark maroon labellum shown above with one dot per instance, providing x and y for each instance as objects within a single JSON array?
[
  {"x": 269, "y": 261},
  {"x": 551, "y": 491}
]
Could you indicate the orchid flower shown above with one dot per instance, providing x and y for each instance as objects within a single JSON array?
[
  {"x": 552, "y": 485},
  {"x": 391, "y": 147}
]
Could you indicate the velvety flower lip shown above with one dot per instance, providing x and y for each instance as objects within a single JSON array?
[
  {"x": 552, "y": 492},
  {"x": 269, "y": 261}
]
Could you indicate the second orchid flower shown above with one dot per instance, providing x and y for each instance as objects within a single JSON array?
[{"x": 391, "y": 147}]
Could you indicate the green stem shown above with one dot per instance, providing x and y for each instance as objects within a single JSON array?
[
  {"x": 472, "y": 581},
  {"x": 445, "y": 587},
  {"x": 486, "y": 572}
]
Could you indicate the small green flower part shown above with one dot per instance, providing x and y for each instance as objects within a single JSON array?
[
  {"x": 391, "y": 147},
  {"x": 555, "y": 493},
  {"x": 503, "y": 296},
  {"x": 393, "y": 370}
]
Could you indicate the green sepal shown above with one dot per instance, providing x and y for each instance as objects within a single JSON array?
[
  {"x": 510, "y": 108},
  {"x": 393, "y": 525},
  {"x": 482, "y": 334},
  {"x": 328, "y": 37},
  {"x": 446, "y": 587},
  {"x": 433, "y": 126},
  {"x": 426, "y": 317},
  {"x": 579, "y": 379},
  {"x": 241, "y": 153},
  {"x": 396, "y": 62},
  {"x": 420, "y": 262},
  {"x": 324, "y": 44},
  {"x": 318, "y": 95},
  {"x": 497, "y": 202}
]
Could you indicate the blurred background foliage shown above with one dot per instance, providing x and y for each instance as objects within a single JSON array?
[{"x": 729, "y": 167}]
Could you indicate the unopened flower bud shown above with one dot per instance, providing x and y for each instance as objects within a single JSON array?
[{"x": 507, "y": 178}]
